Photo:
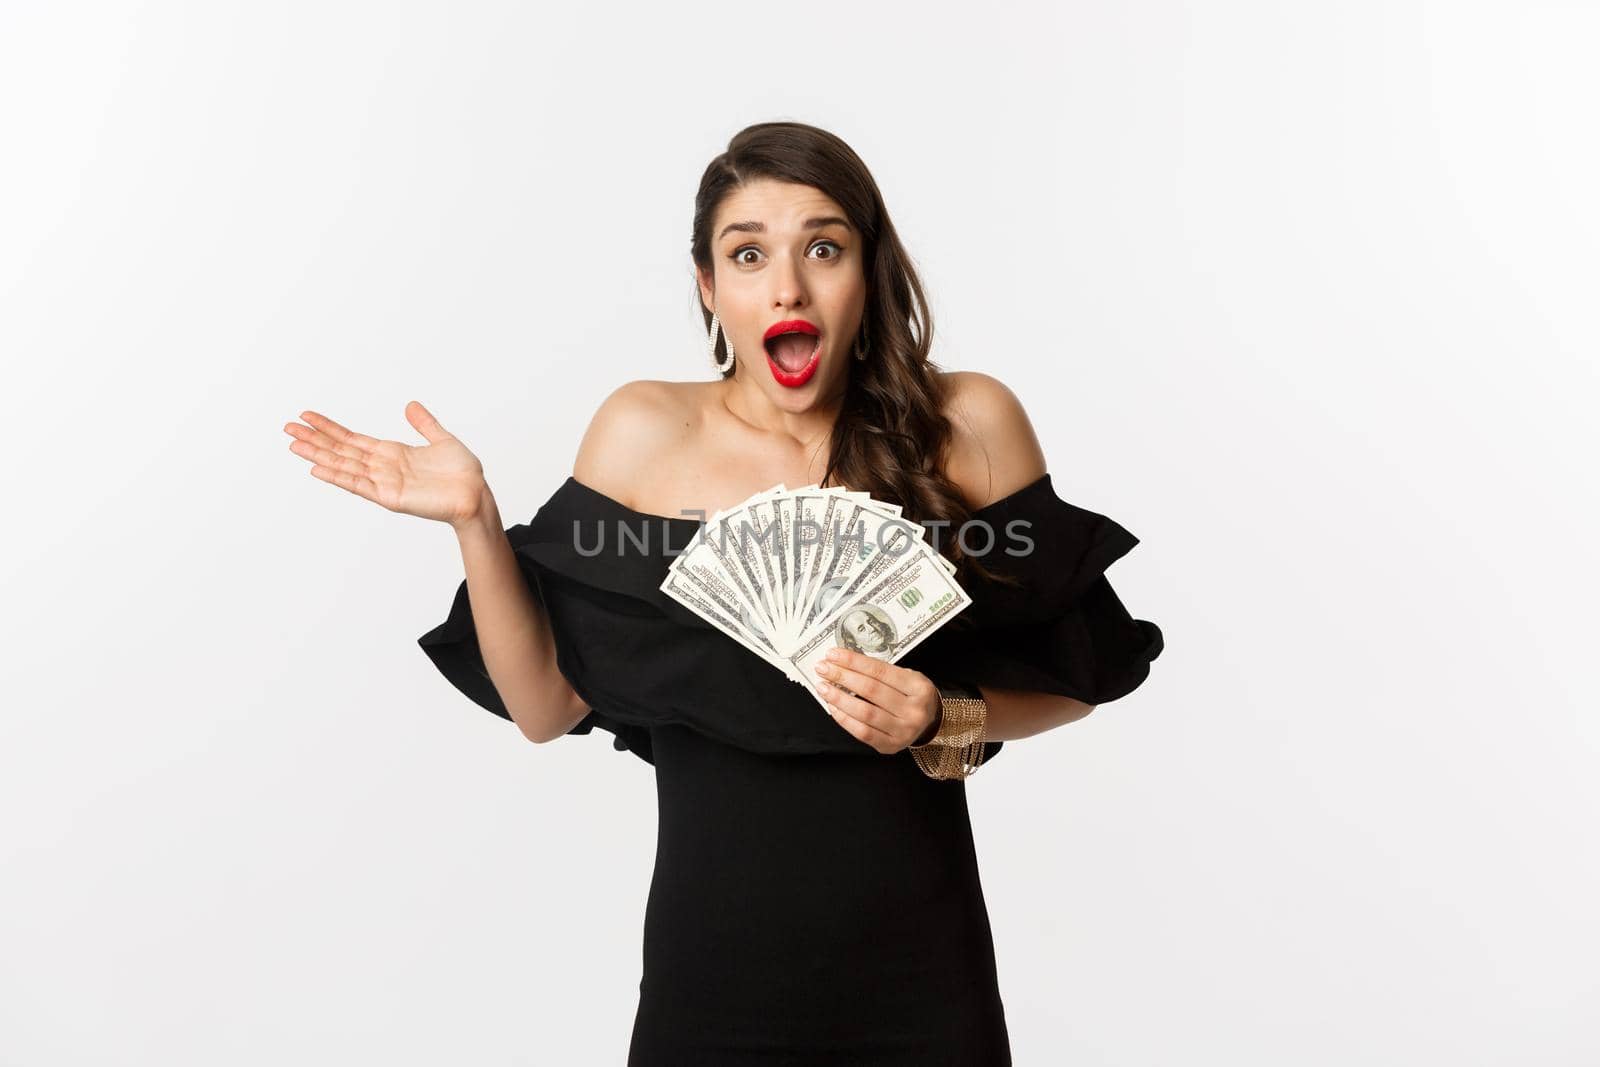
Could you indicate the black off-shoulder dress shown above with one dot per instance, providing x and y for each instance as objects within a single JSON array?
[{"x": 813, "y": 901}]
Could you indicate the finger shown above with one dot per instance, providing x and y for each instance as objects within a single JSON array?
[
  {"x": 873, "y": 667},
  {"x": 360, "y": 485},
  {"x": 329, "y": 458},
  {"x": 425, "y": 423},
  {"x": 340, "y": 435},
  {"x": 321, "y": 440},
  {"x": 848, "y": 725},
  {"x": 864, "y": 685},
  {"x": 854, "y": 714}
]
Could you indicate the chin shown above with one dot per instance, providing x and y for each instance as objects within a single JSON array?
[{"x": 814, "y": 393}]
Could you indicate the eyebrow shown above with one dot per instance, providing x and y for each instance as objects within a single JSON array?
[{"x": 761, "y": 227}]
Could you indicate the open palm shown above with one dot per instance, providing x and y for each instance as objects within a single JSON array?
[{"x": 440, "y": 480}]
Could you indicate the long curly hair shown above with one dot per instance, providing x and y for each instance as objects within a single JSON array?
[{"x": 891, "y": 436}]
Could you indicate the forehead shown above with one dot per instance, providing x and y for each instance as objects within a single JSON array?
[{"x": 782, "y": 206}]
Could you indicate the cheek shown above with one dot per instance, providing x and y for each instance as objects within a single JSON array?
[{"x": 843, "y": 293}]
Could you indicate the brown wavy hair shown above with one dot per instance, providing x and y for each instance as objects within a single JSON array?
[{"x": 891, "y": 436}]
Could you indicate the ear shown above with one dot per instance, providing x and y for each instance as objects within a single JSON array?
[{"x": 704, "y": 280}]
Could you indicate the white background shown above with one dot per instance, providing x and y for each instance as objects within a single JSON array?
[{"x": 1302, "y": 294}]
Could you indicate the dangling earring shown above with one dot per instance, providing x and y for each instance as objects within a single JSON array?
[
  {"x": 860, "y": 348},
  {"x": 711, "y": 346}
]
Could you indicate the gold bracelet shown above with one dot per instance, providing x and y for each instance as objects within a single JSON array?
[{"x": 958, "y": 748}]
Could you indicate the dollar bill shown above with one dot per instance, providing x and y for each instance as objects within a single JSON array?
[
  {"x": 908, "y": 600},
  {"x": 790, "y": 573}
]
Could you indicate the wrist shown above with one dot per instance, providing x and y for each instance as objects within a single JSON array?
[
  {"x": 485, "y": 520},
  {"x": 966, "y": 695},
  {"x": 933, "y": 727},
  {"x": 956, "y": 745}
]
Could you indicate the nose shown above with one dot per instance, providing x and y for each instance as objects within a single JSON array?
[{"x": 789, "y": 290}]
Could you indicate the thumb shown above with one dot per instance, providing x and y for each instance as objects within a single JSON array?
[{"x": 428, "y": 426}]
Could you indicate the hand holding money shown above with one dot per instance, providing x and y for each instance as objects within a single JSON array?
[
  {"x": 886, "y": 706},
  {"x": 792, "y": 574}
]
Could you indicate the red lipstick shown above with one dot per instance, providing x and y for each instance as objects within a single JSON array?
[{"x": 793, "y": 377}]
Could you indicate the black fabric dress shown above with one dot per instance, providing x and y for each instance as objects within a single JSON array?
[{"x": 813, "y": 901}]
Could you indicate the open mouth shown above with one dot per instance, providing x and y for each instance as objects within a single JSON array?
[{"x": 792, "y": 351}]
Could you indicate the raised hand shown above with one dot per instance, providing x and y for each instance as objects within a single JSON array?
[{"x": 441, "y": 480}]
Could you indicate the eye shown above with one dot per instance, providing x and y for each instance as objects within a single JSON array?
[{"x": 737, "y": 254}]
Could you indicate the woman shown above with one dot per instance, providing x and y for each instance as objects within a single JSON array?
[{"x": 815, "y": 895}]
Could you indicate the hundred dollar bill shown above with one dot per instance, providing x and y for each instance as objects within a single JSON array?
[
  {"x": 888, "y": 618},
  {"x": 747, "y": 539},
  {"x": 709, "y": 550},
  {"x": 783, "y": 518},
  {"x": 781, "y": 566},
  {"x": 845, "y": 543},
  {"x": 708, "y": 596},
  {"x": 857, "y": 555},
  {"x": 814, "y": 514}
]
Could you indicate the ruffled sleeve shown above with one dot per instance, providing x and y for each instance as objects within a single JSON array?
[
  {"x": 1064, "y": 630},
  {"x": 452, "y": 646},
  {"x": 635, "y": 656}
]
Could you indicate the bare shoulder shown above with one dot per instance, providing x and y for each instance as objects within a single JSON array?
[
  {"x": 994, "y": 450},
  {"x": 638, "y": 420}
]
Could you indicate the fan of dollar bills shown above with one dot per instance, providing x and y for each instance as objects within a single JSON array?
[{"x": 790, "y": 573}]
